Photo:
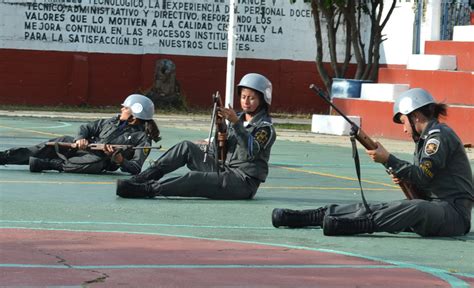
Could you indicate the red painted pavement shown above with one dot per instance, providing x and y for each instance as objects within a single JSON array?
[{"x": 74, "y": 250}]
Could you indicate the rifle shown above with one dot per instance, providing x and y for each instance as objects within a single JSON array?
[
  {"x": 99, "y": 146},
  {"x": 408, "y": 189},
  {"x": 221, "y": 131}
]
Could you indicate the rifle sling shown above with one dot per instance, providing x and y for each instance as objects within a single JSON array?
[
  {"x": 60, "y": 155},
  {"x": 355, "y": 155}
]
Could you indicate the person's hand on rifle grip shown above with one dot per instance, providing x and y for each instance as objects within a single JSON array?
[
  {"x": 108, "y": 150},
  {"x": 380, "y": 154},
  {"x": 228, "y": 113},
  {"x": 115, "y": 155},
  {"x": 81, "y": 144},
  {"x": 395, "y": 179}
]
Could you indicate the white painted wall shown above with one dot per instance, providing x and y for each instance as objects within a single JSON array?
[{"x": 53, "y": 24}]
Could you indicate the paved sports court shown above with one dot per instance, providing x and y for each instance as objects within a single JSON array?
[{"x": 70, "y": 230}]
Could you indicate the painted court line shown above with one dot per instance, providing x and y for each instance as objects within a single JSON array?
[
  {"x": 132, "y": 224},
  {"x": 335, "y": 176},
  {"x": 63, "y": 124},
  {"x": 57, "y": 182},
  {"x": 446, "y": 276},
  {"x": 261, "y": 187},
  {"x": 32, "y": 131}
]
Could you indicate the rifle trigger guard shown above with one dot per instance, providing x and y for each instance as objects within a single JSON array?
[{"x": 117, "y": 151}]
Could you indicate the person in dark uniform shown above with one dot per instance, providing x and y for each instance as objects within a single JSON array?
[
  {"x": 441, "y": 172},
  {"x": 134, "y": 126},
  {"x": 249, "y": 142}
]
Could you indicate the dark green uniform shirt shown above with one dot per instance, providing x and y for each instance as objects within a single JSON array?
[
  {"x": 114, "y": 131},
  {"x": 249, "y": 145},
  {"x": 441, "y": 168}
]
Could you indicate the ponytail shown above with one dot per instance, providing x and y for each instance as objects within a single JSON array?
[
  {"x": 434, "y": 110},
  {"x": 152, "y": 130}
]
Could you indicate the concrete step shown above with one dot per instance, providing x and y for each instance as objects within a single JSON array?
[
  {"x": 464, "y": 52},
  {"x": 382, "y": 91},
  {"x": 376, "y": 118},
  {"x": 431, "y": 62},
  {"x": 332, "y": 124},
  {"x": 451, "y": 87},
  {"x": 463, "y": 33}
]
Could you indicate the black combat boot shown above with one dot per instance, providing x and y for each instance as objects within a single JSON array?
[
  {"x": 133, "y": 189},
  {"x": 3, "y": 158},
  {"x": 297, "y": 218},
  {"x": 38, "y": 165},
  {"x": 334, "y": 226},
  {"x": 152, "y": 173}
]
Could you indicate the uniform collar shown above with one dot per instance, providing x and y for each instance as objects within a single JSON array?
[
  {"x": 428, "y": 127},
  {"x": 256, "y": 118}
]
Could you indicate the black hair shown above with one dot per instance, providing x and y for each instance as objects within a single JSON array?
[
  {"x": 152, "y": 130},
  {"x": 263, "y": 104},
  {"x": 434, "y": 110}
]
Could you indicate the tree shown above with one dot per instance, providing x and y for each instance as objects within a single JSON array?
[{"x": 349, "y": 16}]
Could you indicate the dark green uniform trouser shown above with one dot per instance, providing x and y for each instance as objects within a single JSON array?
[
  {"x": 77, "y": 161},
  {"x": 203, "y": 180},
  {"x": 426, "y": 218}
]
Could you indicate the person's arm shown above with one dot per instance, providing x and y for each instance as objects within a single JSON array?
[
  {"x": 261, "y": 138},
  {"x": 89, "y": 130},
  {"x": 134, "y": 164},
  {"x": 432, "y": 159}
]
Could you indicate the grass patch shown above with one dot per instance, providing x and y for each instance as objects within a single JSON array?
[
  {"x": 96, "y": 109},
  {"x": 299, "y": 127}
]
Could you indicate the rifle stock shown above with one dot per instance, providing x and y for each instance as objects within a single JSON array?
[
  {"x": 364, "y": 139},
  {"x": 221, "y": 130},
  {"x": 99, "y": 146},
  {"x": 408, "y": 189}
]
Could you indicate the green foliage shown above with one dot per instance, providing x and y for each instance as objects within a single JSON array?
[
  {"x": 305, "y": 1},
  {"x": 293, "y": 126}
]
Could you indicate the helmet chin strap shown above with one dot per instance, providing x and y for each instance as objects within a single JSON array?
[
  {"x": 254, "y": 111},
  {"x": 414, "y": 134},
  {"x": 131, "y": 119}
]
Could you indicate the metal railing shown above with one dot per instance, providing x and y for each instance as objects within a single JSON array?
[{"x": 453, "y": 13}]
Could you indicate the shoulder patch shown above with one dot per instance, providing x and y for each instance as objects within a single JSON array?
[
  {"x": 426, "y": 168},
  {"x": 431, "y": 146},
  {"x": 262, "y": 136}
]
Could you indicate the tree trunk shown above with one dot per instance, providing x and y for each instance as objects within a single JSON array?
[{"x": 352, "y": 12}]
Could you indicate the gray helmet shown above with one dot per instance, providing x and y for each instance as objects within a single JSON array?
[
  {"x": 141, "y": 106},
  {"x": 259, "y": 83},
  {"x": 409, "y": 101}
]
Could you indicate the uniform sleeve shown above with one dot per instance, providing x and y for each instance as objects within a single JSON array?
[
  {"x": 431, "y": 160},
  {"x": 260, "y": 139},
  {"x": 90, "y": 130},
  {"x": 135, "y": 163}
]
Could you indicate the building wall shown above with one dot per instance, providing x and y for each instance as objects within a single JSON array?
[{"x": 98, "y": 51}]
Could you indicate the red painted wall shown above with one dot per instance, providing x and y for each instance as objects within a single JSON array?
[
  {"x": 376, "y": 118},
  {"x": 74, "y": 78},
  {"x": 464, "y": 52},
  {"x": 446, "y": 86}
]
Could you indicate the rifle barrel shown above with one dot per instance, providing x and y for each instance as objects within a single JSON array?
[
  {"x": 320, "y": 94},
  {"x": 215, "y": 98}
]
